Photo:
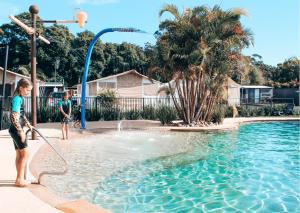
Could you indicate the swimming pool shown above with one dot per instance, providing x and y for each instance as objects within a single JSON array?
[{"x": 253, "y": 169}]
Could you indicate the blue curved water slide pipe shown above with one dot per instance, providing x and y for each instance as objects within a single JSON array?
[{"x": 87, "y": 62}]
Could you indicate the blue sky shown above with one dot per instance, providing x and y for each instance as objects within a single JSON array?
[{"x": 274, "y": 23}]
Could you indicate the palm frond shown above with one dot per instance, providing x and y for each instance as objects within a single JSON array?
[
  {"x": 171, "y": 8},
  {"x": 239, "y": 12}
]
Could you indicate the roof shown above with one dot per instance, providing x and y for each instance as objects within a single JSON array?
[
  {"x": 17, "y": 74},
  {"x": 255, "y": 87},
  {"x": 232, "y": 83},
  {"x": 123, "y": 73},
  {"x": 52, "y": 84}
]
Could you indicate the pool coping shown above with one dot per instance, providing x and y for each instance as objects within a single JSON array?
[{"x": 233, "y": 123}]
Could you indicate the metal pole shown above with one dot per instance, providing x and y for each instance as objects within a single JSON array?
[
  {"x": 33, "y": 9},
  {"x": 3, "y": 84}
]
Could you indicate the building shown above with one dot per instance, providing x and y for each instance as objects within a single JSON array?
[
  {"x": 11, "y": 82},
  {"x": 46, "y": 88},
  {"x": 129, "y": 84},
  {"x": 287, "y": 95},
  {"x": 255, "y": 93},
  {"x": 232, "y": 92}
]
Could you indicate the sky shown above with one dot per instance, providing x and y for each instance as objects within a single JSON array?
[{"x": 275, "y": 24}]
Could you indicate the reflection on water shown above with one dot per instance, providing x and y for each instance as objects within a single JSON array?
[{"x": 253, "y": 170}]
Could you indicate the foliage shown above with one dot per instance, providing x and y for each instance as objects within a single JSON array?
[
  {"x": 284, "y": 75},
  {"x": 132, "y": 115},
  {"x": 218, "y": 114},
  {"x": 149, "y": 113},
  {"x": 107, "y": 98},
  {"x": 228, "y": 112},
  {"x": 166, "y": 114},
  {"x": 254, "y": 111},
  {"x": 66, "y": 53},
  {"x": 197, "y": 51}
]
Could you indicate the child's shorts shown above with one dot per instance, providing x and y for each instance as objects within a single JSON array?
[{"x": 17, "y": 139}]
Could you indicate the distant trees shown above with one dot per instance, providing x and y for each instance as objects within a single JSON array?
[
  {"x": 66, "y": 53},
  {"x": 196, "y": 36},
  {"x": 256, "y": 72}
]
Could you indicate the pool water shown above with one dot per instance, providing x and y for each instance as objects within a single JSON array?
[{"x": 253, "y": 169}]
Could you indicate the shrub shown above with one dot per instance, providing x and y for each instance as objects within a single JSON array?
[
  {"x": 110, "y": 114},
  {"x": 243, "y": 111},
  {"x": 268, "y": 110},
  {"x": 166, "y": 114},
  {"x": 92, "y": 115},
  {"x": 218, "y": 114},
  {"x": 107, "y": 98},
  {"x": 42, "y": 115},
  {"x": 228, "y": 112},
  {"x": 149, "y": 113},
  {"x": 132, "y": 115}
]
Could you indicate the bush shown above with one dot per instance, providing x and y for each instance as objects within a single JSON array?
[
  {"x": 110, "y": 114},
  {"x": 228, "y": 112},
  {"x": 92, "y": 115},
  {"x": 219, "y": 114},
  {"x": 148, "y": 113},
  {"x": 132, "y": 115},
  {"x": 43, "y": 115},
  {"x": 166, "y": 114},
  {"x": 107, "y": 98},
  {"x": 268, "y": 110},
  {"x": 243, "y": 111}
]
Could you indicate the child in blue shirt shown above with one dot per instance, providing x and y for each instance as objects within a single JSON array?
[
  {"x": 18, "y": 120},
  {"x": 65, "y": 114}
]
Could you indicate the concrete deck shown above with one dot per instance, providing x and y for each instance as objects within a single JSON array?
[
  {"x": 34, "y": 198},
  {"x": 16, "y": 200}
]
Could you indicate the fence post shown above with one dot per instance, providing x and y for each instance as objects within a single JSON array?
[
  {"x": 1, "y": 112},
  {"x": 143, "y": 104}
]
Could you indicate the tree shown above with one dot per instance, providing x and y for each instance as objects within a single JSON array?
[
  {"x": 288, "y": 70},
  {"x": 197, "y": 51}
]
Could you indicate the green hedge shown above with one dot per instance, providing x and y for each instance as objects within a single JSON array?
[{"x": 166, "y": 114}]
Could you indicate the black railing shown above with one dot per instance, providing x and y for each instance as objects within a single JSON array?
[{"x": 117, "y": 108}]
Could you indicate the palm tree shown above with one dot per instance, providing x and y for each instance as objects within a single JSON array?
[{"x": 198, "y": 49}]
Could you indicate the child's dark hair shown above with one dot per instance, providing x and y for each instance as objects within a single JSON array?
[
  {"x": 23, "y": 82},
  {"x": 66, "y": 93}
]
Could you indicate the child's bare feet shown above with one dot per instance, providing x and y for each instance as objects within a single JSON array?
[{"x": 22, "y": 183}]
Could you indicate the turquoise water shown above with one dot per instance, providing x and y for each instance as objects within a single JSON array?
[{"x": 253, "y": 169}]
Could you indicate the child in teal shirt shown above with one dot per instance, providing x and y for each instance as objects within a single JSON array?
[
  {"x": 18, "y": 120},
  {"x": 65, "y": 114}
]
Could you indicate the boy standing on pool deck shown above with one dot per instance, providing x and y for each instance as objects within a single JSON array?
[{"x": 65, "y": 113}]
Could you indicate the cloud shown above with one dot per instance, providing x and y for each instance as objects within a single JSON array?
[{"x": 96, "y": 2}]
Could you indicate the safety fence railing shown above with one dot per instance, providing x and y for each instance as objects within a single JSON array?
[{"x": 118, "y": 108}]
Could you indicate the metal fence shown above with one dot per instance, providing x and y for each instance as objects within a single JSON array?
[
  {"x": 113, "y": 109},
  {"x": 259, "y": 101}
]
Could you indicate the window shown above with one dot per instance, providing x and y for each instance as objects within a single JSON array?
[{"x": 107, "y": 85}]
